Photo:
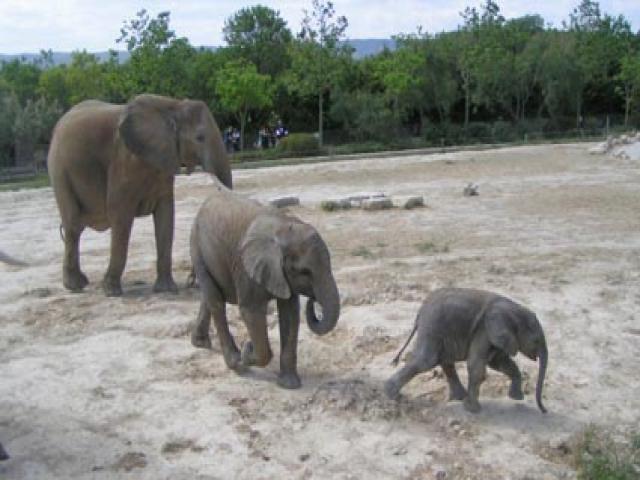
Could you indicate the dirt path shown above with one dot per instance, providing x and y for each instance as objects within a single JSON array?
[{"x": 101, "y": 388}]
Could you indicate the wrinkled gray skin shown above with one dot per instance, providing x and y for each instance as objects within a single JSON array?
[
  {"x": 111, "y": 163},
  {"x": 483, "y": 328},
  {"x": 247, "y": 254}
]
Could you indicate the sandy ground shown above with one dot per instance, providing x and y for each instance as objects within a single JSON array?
[{"x": 101, "y": 388}]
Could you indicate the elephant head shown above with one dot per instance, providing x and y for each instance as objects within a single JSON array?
[
  {"x": 166, "y": 133},
  {"x": 514, "y": 329},
  {"x": 287, "y": 256}
]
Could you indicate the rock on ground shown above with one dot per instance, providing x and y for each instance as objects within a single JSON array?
[
  {"x": 408, "y": 202},
  {"x": 281, "y": 202},
  {"x": 381, "y": 203}
]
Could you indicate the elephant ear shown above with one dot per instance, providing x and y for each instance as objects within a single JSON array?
[
  {"x": 149, "y": 130},
  {"x": 262, "y": 257},
  {"x": 500, "y": 326}
]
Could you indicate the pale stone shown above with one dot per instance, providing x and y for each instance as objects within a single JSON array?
[
  {"x": 408, "y": 202},
  {"x": 281, "y": 202},
  {"x": 378, "y": 203}
]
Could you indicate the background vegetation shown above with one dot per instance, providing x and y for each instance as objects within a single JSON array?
[{"x": 491, "y": 80}]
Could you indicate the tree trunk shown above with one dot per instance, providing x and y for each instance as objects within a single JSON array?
[
  {"x": 24, "y": 150},
  {"x": 627, "y": 106},
  {"x": 467, "y": 98},
  {"x": 320, "y": 112},
  {"x": 243, "y": 120},
  {"x": 578, "y": 109}
]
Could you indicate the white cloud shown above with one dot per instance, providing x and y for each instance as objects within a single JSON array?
[{"x": 65, "y": 25}]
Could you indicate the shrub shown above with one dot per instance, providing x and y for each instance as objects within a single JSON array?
[
  {"x": 299, "y": 144},
  {"x": 599, "y": 457},
  {"x": 504, "y": 132},
  {"x": 479, "y": 132}
]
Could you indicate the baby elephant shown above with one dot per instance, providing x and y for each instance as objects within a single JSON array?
[
  {"x": 483, "y": 328},
  {"x": 247, "y": 254}
]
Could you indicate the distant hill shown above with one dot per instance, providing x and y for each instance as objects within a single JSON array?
[
  {"x": 366, "y": 47},
  {"x": 363, "y": 48}
]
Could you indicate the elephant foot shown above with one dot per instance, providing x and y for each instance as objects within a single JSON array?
[
  {"x": 165, "y": 284},
  {"x": 391, "y": 390},
  {"x": 457, "y": 394},
  {"x": 289, "y": 380},
  {"x": 515, "y": 392},
  {"x": 472, "y": 406},
  {"x": 201, "y": 341},
  {"x": 3, "y": 454},
  {"x": 250, "y": 359},
  {"x": 111, "y": 287},
  {"x": 74, "y": 280},
  {"x": 234, "y": 361}
]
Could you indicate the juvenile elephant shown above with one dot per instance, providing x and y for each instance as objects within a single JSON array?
[
  {"x": 111, "y": 163},
  {"x": 247, "y": 254},
  {"x": 483, "y": 328}
]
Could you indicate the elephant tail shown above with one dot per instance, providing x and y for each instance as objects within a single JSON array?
[
  {"x": 61, "y": 233},
  {"x": 396, "y": 359}
]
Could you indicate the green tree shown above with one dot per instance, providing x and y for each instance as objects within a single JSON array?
[
  {"x": 158, "y": 58},
  {"x": 601, "y": 41},
  {"x": 629, "y": 78},
  {"x": 52, "y": 85},
  {"x": 242, "y": 89},
  {"x": 22, "y": 78},
  {"x": 317, "y": 55},
  {"x": 259, "y": 35},
  {"x": 84, "y": 78},
  {"x": 9, "y": 106},
  {"x": 442, "y": 88},
  {"x": 32, "y": 125}
]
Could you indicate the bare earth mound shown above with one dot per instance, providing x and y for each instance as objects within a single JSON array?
[{"x": 101, "y": 388}]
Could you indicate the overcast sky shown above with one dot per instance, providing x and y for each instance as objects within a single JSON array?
[{"x": 27, "y": 26}]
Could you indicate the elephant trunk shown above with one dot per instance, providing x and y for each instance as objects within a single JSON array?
[
  {"x": 542, "y": 359},
  {"x": 217, "y": 162},
  {"x": 326, "y": 294}
]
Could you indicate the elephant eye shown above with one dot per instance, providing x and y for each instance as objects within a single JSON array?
[
  {"x": 200, "y": 138},
  {"x": 305, "y": 271}
]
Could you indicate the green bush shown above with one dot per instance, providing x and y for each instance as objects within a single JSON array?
[
  {"x": 599, "y": 457},
  {"x": 505, "y": 132},
  {"x": 299, "y": 144},
  {"x": 479, "y": 132},
  {"x": 443, "y": 134}
]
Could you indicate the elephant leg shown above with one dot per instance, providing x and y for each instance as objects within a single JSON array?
[
  {"x": 501, "y": 362},
  {"x": 256, "y": 351},
  {"x": 424, "y": 358},
  {"x": 163, "y": 220},
  {"x": 3, "y": 453},
  {"x": 72, "y": 277},
  {"x": 120, "y": 233},
  {"x": 289, "y": 319},
  {"x": 456, "y": 390},
  {"x": 212, "y": 303},
  {"x": 200, "y": 333},
  {"x": 477, "y": 370}
]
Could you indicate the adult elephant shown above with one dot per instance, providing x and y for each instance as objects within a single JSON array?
[
  {"x": 246, "y": 254},
  {"x": 111, "y": 163}
]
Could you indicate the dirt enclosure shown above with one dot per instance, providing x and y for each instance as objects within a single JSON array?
[{"x": 102, "y": 388}]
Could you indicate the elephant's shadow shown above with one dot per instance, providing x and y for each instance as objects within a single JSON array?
[
  {"x": 141, "y": 289},
  {"x": 505, "y": 414}
]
